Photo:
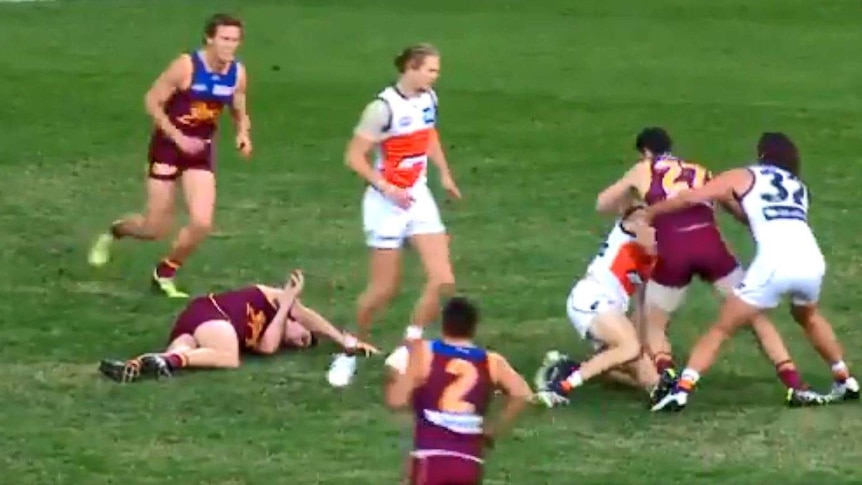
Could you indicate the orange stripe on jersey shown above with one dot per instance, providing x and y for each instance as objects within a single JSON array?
[
  {"x": 630, "y": 260},
  {"x": 396, "y": 149}
]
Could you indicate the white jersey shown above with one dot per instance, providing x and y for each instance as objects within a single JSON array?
[
  {"x": 612, "y": 277},
  {"x": 788, "y": 260},
  {"x": 776, "y": 205}
]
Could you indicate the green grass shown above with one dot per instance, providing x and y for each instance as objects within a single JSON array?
[{"x": 540, "y": 102}]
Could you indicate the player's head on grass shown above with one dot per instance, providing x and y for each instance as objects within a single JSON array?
[
  {"x": 222, "y": 36},
  {"x": 776, "y": 148},
  {"x": 653, "y": 142},
  {"x": 460, "y": 318},
  {"x": 419, "y": 66}
]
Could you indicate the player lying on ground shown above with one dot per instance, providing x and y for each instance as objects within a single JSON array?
[
  {"x": 597, "y": 307},
  {"x": 689, "y": 244},
  {"x": 214, "y": 330},
  {"x": 449, "y": 383},
  {"x": 788, "y": 262}
]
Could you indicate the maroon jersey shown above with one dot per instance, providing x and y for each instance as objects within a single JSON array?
[
  {"x": 248, "y": 310},
  {"x": 688, "y": 241},
  {"x": 195, "y": 112},
  {"x": 450, "y": 406},
  {"x": 668, "y": 176}
]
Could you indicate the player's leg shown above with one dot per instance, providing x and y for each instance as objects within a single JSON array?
[
  {"x": 661, "y": 301},
  {"x": 154, "y": 224},
  {"x": 428, "y": 237},
  {"x": 199, "y": 187},
  {"x": 385, "y": 227},
  {"x": 819, "y": 331},
  {"x": 767, "y": 335}
]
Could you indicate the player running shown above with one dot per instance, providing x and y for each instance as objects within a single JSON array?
[
  {"x": 398, "y": 205},
  {"x": 185, "y": 102},
  {"x": 689, "y": 244},
  {"x": 788, "y": 262},
  {"x": 597, "y": 307},
  {"x": 449, "y": 384},
  {"x": 214, "y": 330}
]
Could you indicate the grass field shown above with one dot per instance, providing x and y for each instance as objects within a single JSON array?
[{"x": 540, "y": 103}]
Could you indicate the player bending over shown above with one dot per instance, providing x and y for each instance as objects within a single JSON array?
[
  {"x": 214, "y": 330},
  {"x": 597, "y": 307},
  {"x": 788, "y": 262},
  {"x": 449, "y": 384},
  {"x": 689, "y": 244}
]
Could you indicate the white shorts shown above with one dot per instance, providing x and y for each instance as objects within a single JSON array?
[
  {"x": 769, "y": 279},
  {"x": 386, "y": 225},
  {"x": 587, "y": 300}
]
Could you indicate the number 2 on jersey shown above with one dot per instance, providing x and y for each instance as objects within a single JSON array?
[
  {"x": 681, "y": 176},
  {"x": 466, "y": 376},
  {"x": 783, "y": 187}
]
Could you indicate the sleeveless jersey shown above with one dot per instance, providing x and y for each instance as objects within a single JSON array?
[
  {"x": 776, "y": 205},
  {"x": 248, "y": 310},
  {"x": 195, "y": 111},
  {"x": 402, "y": 156},
  {"x": 621, "y": 264},
  {"x": 670, "y": 175},
  {"x": 450, "y": 405}
]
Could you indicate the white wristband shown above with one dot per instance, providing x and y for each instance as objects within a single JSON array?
[{"x": 413, "y": 332}]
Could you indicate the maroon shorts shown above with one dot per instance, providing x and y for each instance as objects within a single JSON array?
[
  {"x": 445, "y": 470},
  {"x": 700, "y": 252},
  {"x": 198, "y": 311},
  {"x": 167, "y": 162}
]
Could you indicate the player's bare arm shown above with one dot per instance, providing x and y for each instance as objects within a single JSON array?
[
  {"x": 719, "y": 188},
  {"x": 272, "y": 338},
  {"x": 621, "y": 193},
  {"x": 517, "y": 392},
  {"x": 239, "y": 112},
  {"x": 400, "y": 387},
  {"x": 173, "y": 78},
  {"x": 438, "y": 157},
  {"x": 314, "y": 322}
]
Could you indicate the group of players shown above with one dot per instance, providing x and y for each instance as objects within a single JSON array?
[
  {"x": 667, "y": 234},
  {"x": 651, "y": 255}
]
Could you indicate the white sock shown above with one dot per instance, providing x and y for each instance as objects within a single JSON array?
[
  {"x": 575, "y": 379},
  {"x": 840, "y": 368},
  {"x": 690, "y": 375},
  {"x": 413, "y": 332}
]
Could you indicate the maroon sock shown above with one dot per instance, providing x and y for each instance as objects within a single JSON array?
[
  {"x": 663, "y": 362},
  {"x": 167, "y": 268},
  {"x": 789, "y": 376},
  {"x": 176, "y": 361}
]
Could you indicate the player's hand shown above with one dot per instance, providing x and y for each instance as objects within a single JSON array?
[
  {"x": 448, "y": 183},
  {"x": 366, "y": 348},
  {"x": 190, "y": 145},
  {"x": 296, "y": 282},
  {"x": 400, "y": 197},
  {"x": 243, "y": 144}
]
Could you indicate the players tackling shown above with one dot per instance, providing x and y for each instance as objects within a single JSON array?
[
  {"x": 788, "y": 262},
  {"x": 214, "y": 330},
  {"x": 449, "y": 384},
  {"x": 689, "y": 245},
  {"x": 597, "y": 306}
]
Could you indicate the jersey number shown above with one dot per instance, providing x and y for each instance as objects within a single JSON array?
[
  {"x": 784, "y": 189},
  {"x": 466, "y": 376},
  {"x": 681, "y": 176}
]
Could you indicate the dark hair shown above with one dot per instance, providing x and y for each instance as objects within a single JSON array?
[
  {"x": 413, "y": 56},
  {"x": 655, "y": 139},
  {"x": 220, "y": 20},
  {"x": 776, "y": 148},
  {"x": 460, "y": 318}
]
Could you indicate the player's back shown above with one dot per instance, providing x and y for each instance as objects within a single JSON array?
[
  {"x": 249, "y": 311},
  {"x": 668, "y": 176},
  {"x": 776, "y": 205},
  {"x": 451, "y": 403}
]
